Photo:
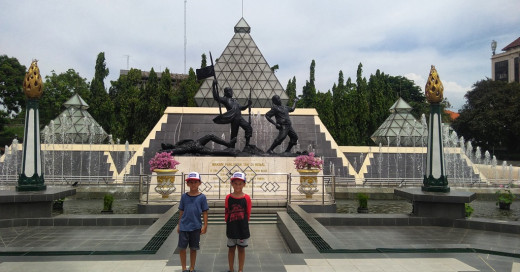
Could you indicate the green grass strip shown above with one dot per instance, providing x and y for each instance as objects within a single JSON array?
[{"x": 311, "y": 234}]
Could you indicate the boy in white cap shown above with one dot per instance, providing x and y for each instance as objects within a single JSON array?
[
  {"x": 192, "y": 205},
  {"x": 237, "y": 215}
]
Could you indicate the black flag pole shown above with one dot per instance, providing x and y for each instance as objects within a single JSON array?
[
  {"x": 250, "y": 90},
  {"x": 215, "y": 77}
]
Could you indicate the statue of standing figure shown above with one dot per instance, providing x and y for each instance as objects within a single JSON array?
[
  {"x": 233, "y": 115},
  {"x": 283, "y": 123}
]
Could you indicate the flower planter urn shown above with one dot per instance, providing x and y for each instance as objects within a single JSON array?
[
  {"x": 165, "y": 182},
  {"x": 308, "y": 181}
]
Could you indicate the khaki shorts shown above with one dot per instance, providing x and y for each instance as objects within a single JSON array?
[{"x": 237, "y": 242}]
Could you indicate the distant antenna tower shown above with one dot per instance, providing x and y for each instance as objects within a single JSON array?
[
  {"x": 127, "y": 61},
  {"x": 185, "y": 39}
]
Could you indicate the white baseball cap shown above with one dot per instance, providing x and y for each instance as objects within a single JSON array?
[
  {"x": 193, "y": 176},
  {"x": 239, "y": 175}
]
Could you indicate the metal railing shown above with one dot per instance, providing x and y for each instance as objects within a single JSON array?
[
  {"x": 265, "y": 186},
  {"x": 12, "y": 180}
]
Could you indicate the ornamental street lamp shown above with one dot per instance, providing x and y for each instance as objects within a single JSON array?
[
  {"x": 31, "y": 178},
  {"x": 493, "y": 46},
  {"x": 435, "y": 179}
]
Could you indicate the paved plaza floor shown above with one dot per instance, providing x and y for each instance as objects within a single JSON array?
[{"x": 267, "y": 250}]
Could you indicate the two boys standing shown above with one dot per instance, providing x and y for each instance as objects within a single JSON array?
[{"x": 193, "y": 204}]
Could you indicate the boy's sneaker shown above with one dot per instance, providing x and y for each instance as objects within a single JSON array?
[{"x": 187, "y": 270}]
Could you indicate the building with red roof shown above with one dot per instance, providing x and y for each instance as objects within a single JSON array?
[{"x": 453, "y": 115}]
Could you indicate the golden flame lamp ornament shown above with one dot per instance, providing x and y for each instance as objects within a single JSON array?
[
  {"x": 434, "y": 89},
  {"x": 31, "y": 176},
  {"x": 435, "y": 179},
  {"x": 32, "y": 83}
]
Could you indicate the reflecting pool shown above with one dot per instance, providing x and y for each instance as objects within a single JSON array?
[
  {"x": 481, "y": 208},
  {"x": 94, "y": 206}
]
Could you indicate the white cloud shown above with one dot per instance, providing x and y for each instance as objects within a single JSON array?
[
  {"x": 455, "y": 94},
  {"x": 398, "y": 37},
  {"x": 417, "y": 79}
]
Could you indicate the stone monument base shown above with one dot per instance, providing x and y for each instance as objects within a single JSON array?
[
  {"x": 435, "y": 204},
  {"x": 30, "y": 204}
]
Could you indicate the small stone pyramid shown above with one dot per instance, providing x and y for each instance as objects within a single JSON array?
[
  {"x": 400, "y": 128},
  {"x": 74, "y": 125},
  {"x": 243, "y": 68}
]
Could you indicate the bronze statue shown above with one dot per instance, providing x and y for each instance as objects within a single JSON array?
[
  {"x": 233, "y": 115},
  {"x": 198, "y": 147},
  {"x": 283, "y": 123}
]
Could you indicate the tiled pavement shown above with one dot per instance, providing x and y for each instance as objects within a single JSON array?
[
  {"x": 85, "y": 238},
  {"x": 359, "y": 237},
  {"x": 267, "y": 251}
]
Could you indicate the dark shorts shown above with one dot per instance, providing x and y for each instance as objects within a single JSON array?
[{"x": 191, "y": 238}]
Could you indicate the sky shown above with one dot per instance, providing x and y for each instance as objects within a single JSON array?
[{"x": 400, "y": 38}]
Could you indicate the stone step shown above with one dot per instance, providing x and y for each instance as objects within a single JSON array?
[
  {"x": 255, "y": 210},
  {"x": 259, "y": 218},
  {"x": 255, "y": 202}
]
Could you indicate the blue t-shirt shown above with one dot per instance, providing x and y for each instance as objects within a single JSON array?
[{"x": 192, "y": 207}]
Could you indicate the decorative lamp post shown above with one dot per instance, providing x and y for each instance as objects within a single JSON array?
[
  {"x": 435, "y": 179},
  {"x": 31, "y": 178}
]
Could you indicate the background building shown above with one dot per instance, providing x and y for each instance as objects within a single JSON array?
[{"x": 505, "y": 66}]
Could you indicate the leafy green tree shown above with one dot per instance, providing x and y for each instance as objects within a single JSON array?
[
  {"x": 490, "y": 117},
  {"x": 359, "y": 108},
  {"x": 11, "y": 128},
  {"x": 4, "y": 120},
  {"x": 124, "y": 94},
  {"x": 325, "y": 108},
  {"x": 290, "y": 90},
  {"x": 411, "y": 93},
  {"x": 377, "y": 101},
  {"x": 350, "y": 132},
  {"x": 185, "y": 94},
  {"x": 339, "y": 92},
  {"x": 148, "y": 108},
  {"x": 204, "y": 61},
  {"x": 363, "y": 108},
  {"x": 58, "y": 89},
  {"x": 101, "y": 107},
  {"x": 12, "y": 73},
  {"x": 165, "y": 91},
  {"x": 309, "y": 90}
]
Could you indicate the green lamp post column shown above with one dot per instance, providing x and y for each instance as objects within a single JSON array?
[
  {"x": 435, "y": 179},
  {"x": 31, "y": 177}
]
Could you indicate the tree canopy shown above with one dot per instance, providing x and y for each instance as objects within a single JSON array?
[
  {"x": 353, "y": 111},
  {"x": 490, "y": 116},
  {"x": 12, "y": 73},
  {"x": 58, "y": 89},
  {"x": 101, "y": 107}
]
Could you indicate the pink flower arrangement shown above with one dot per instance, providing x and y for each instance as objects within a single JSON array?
[
  {"x": 163, "y": 160},
  {"x": 308, "y": 162}
]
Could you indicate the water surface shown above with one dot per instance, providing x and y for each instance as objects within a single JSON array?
[
  {"x": 481, "y": 208},
  {"x": 94, "y": 206}
]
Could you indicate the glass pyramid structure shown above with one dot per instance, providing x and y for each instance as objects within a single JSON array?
[
  {"x": 401, "y": 128},
  {"x": 243, "y": 68},
  {"x": 74, "y": 125}
]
